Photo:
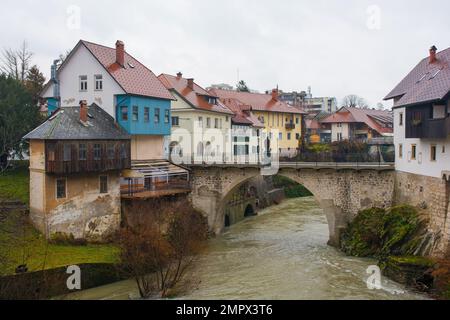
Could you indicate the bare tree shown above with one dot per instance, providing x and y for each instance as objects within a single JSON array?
[
  {"x": 16, "y": 63},
  {"x": 159, "y": 245},
  {"x": 354, "y": 101}
]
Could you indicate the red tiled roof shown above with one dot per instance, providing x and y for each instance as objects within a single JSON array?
[
  {"x": 370, "y": 117},
  {"x": 312, "y": 124},
  {"x": 243, "y": 114},
  {"x": 257, "y": 101},
  {"x": 426, "y": 82},
  {"x": 134, "y": 77},
  {"x": 195, "y": 97}
]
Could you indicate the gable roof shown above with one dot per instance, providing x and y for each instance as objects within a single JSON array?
[
  {"x": 65, "y": 124},
  {"x": 372, "y": 118},
  {"x": 425, "y": 83},
  {"x": 134, "y": 77},
  {"x": 256, "y": 101},
  {"x": 194, "y": 97},
  {"x": 243, "y": 114}
]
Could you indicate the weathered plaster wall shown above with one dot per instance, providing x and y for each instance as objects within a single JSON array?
[
  {"x": 432, "y": 195},
  {"x": 37, "y": 183},
  {"x": 85, "y": 212}
]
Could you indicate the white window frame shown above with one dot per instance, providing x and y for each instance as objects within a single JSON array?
[
  {"x": 98, "y": 82},
  {"x": 83, "y": 83}
]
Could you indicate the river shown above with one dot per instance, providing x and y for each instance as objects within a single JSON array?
[{"x": 280, "y": 254}]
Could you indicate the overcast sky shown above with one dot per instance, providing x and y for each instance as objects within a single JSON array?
[{"x": 336, "y": 47}]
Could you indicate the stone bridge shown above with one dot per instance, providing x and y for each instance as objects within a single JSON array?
[{"x": 341, "y": 191}]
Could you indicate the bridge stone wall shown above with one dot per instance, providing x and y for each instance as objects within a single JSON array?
[{"x": 341, "y": 193}]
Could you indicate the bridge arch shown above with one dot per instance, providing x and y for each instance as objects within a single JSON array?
[{"x": 340, "y": 193}]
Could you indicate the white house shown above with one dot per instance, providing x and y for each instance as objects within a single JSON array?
[
  {"x": 422, "y": 139},
  {"x": 120, "y": 85},
  {"x": 422, "y": 117}
]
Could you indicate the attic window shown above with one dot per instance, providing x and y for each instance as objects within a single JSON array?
[
  {"x": 435, "y": 74},
  {"x": 131, "y": 65},
  {"x": 423, "y": 77}
]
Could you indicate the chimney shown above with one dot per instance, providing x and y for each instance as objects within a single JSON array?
[
  {"x": 433, "y": 57},
  {"x": 275, "y": 94},
  {"x": 179, "y": 75},
  {"x": 83, "y": 111},
  {"x": 191, "y": 83},
  {"x": 120, "y": 53}
]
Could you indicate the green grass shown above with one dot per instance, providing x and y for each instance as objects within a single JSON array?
[
  {"x": 291, "y": 188},
  {"x": 14, "y": 184},
  {"x": 18, "y": 238}
]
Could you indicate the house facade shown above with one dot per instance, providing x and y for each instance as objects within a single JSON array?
[
  {"x": 121, "y": 85},
  {"x": 422, "y": 141},
  {"x": 201, "y": 124},
  {"x": 282, "y": 124},
  {"x": 76, "y": 159},
  {"x": 358, "y": 124}
]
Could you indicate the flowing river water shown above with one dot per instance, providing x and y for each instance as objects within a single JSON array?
[{"x": 280, "y": 254}]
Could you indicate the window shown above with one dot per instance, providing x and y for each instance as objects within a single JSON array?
[
  {"x": 413, "y": 152},
  {"x": 433, "y": 153},
  {"x": 135, "y": 113},
  {"x": 82, "y": 152},
  {"x": 83, "y": 83},
  {"x": 167, "y": 117},
  {"x": 401, "y": 119},
  {"x": 216, "y": 123},
  {"x": 280, "y": 136},
  {"x": 400, "y": 151},
  {"x": 111, "y": 151},
  {"x": 175, "y": 121},
  {"x": 289, "y": 136},
  {"x": 339, "y": 136},
  {"x": 157, "y": 115},
  {"x": 146, "y": 114},
  {"x": 51, "y": 152},
  {"x": 297, "y": 136},
  {"x": 103, "y": 184},
  {"x": 61, "y": 189},
  {"x": 208, "y": 122},
  {"x": 443, "y": 149},
  {"x": 124, "y": 112},
  {"x": 297, "y": 120},
  {"x": 97, "y": 152},
  {"x": 67, "y": 152},
  {"x": 200, "y": 122},
  {"x": 123, "y": 151},
  {"x": 227, "y": 119},
  {"x": 98, "y": 79}
]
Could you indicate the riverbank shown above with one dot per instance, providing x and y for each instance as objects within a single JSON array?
[{"x": 398, "y": 238}]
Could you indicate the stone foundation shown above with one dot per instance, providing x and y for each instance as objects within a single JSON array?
[{"x": 431, "y": 195}]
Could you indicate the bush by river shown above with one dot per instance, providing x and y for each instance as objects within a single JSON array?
[{"x": 398, "y": 238}]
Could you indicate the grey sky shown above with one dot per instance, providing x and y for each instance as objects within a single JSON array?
[{"x": 325, "y": 44}]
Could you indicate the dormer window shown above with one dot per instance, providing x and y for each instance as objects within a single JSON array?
[
  {"x": 83, "y": 83},
  {"x": 98, "y": 79},
  {"x": 212, "y": 100}
]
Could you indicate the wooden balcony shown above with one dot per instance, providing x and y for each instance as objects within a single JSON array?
[
  {"x": 73, "y": 157},
  {"x": 428, "y": 128},
  {"x": 290, "y": 126}
]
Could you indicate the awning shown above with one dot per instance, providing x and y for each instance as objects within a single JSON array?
[{"x": 131, "y": 174}]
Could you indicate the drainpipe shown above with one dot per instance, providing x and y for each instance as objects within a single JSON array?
[{"x": 56, "y": 84}]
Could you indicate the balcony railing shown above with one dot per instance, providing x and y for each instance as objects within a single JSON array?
[{"x": 290, "y": 126}]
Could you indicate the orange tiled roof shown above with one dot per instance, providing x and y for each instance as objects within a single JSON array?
[
  {"x": 257, "y": 101},
  {"x": 195, "y": 97},
  {"x": 372, "y": 118}
]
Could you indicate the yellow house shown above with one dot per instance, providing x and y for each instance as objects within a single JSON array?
[
  {"x": 201, "y": 124},
  {"x": 282, "y": 123}
]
